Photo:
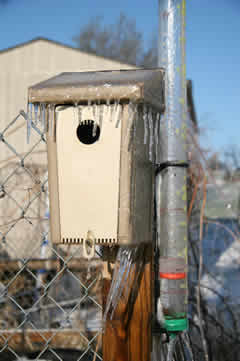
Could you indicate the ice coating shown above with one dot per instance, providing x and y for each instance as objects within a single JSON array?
[
  {"x": 94, "y": 111},
  {"x": 150, "y": 122},
  {"x": 101, "y": 112},
  {"x": 156, "y": 136},
  {"x": 115, "y": 112},
  {"x": 131, "y": 114},
  {"x": 119, "y": 115},
  {"x": 51, "y": 117},
  {"x": 171, "y": 194},
  {"x": 113, "y": 89},
  {"x": 128, "y": 263},
  {"x": 145, "y": 119},
  {"x": 40, "y": 114},
  {"x": 79, "y": 114},
  {"x": 172, "y": 58},
  {"x": 137, "y": 85},
  {"x": 36, "y": 109},
  {"x": 112, "y": 108},
  {"x": 97, "y": 112},
  {"x": 43, "y": 115}
]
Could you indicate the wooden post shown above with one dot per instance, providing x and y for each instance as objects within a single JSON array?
[{"x": 129, "y": 338}]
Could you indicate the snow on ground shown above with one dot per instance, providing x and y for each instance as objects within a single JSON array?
[{"x": 221, "y": 274}]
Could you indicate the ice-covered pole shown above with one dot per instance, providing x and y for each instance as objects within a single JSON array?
[{"x": 172, "y": 172}]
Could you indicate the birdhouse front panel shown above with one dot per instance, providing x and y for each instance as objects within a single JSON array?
[{"x": 88, "y": 175}]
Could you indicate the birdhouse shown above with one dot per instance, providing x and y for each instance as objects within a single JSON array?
[{"x": 102, "y": 132}]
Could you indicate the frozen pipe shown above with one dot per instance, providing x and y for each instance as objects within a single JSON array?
[{"x": 171, "y": 194}]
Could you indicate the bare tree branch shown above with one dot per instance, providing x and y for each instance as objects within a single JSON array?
[
  {"x": 120, "y": 41},
  {"x": 232, "y": 156}
]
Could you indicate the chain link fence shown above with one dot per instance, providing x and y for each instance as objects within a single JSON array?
[{"x": 50, "y": 297}]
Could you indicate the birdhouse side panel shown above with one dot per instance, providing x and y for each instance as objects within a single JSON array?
[
  {"x": 127, "y": 175},
  {"x": 143, "y": 195}
]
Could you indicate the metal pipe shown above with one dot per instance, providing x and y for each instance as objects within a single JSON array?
[{"x": 171, "y": 195}]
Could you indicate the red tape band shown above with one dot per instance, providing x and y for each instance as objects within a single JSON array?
[{"x": 173, "y": 276}]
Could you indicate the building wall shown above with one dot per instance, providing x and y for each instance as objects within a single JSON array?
[{"x": 32, "y": 63}]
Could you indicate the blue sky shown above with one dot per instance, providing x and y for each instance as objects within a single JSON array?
[{"x": 213, "y": 47}]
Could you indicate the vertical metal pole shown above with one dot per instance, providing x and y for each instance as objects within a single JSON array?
[{"x": 172, "y": 176}]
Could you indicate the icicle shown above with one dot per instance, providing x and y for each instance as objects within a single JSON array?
[
  {"x": 128, "y": 263},
  {"x": 75, "y": 112},
  {"x": 117, "y": 278},
  {"x": 51, "y": 119},
  {"x": 44, "y": 120},
  {"x": 156, "y": 127},
  {"x": 131, "y": 123},
  {"x": 79, "y": 114},
  {"x": 94, "y": 129},
  {"x": 36, "y": 108},
  {"x": 47, "y": 117},
  {"x": 119, "y": 116},
  {"x": 89, "y": 104},
  {"x": 132, "y": 258},
  {"x": 159, "y": 132},
  {"x": 130, "y": 111},
  {"x": 101, "y": 112},
  {"x": 29, "y": 121},
  {"x": 150, "y": 121},
  {"x": 123, "y": 283},
  {"x": 98, "y": 111},
  {"x": 94, "y": 106},
  {"x": 56, "y": 113},
  {"x": 112, "y": 107},
  {"x": 95, "y": 121},
  {"x": 134, "y": 108},
  {"x": 156, "y": 136},
  {"x": 119, "y": 286},
  {"x": 40, "y": 114},
  {"x": 145, "y": 120},
  {"x": 95, "y": 124},
  {"x": 108, "y": 110},
  {"x": 116, "y": 112},
  {"x": 135, "y": 119}
]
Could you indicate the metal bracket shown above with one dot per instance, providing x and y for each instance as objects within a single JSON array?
[{"x": 89, "y": 246}]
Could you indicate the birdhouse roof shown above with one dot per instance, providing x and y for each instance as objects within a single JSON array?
[{"x": 141, "y": 85}]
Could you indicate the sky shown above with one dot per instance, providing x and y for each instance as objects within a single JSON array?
[{"x": 213, "y": 47}]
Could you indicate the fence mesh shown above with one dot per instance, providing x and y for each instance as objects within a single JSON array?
[{"x": 50, "y": 297}]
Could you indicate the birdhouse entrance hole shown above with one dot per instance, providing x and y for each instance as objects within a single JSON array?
[{"x": 86, "y": 132}]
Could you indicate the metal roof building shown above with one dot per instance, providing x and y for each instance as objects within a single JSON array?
[{"x": 34, "y": 61}]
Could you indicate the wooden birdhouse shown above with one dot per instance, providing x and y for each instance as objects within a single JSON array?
[{"x": 102, "y": 133}]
